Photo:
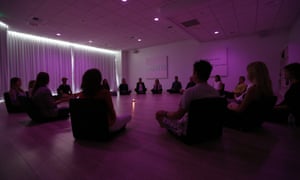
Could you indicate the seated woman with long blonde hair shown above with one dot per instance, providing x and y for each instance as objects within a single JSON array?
[{"x": 258, "y": 100}]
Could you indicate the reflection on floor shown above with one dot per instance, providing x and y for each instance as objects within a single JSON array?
[{"x": 144, "y": 150}]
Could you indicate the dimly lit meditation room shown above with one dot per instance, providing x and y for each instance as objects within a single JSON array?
[{"x": 149, "y": 89}]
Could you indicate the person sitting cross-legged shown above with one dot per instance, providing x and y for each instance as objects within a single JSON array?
[
  {"x": 258, "y": 102},
  {"x": 219, "y": 85},
  {"x": 140, "y": 87},
  {"x": 289, "y": 108},
  {"x": 157, "y": 87},
  {"x": 239, "y": 89},
  {"x": 177, "y": 121},
  {"x": 46, "y": 103},
  {"x": 123, "y": 88},
  {"x": 176, "y": 86},
  {"x": 64, "y": 89}
]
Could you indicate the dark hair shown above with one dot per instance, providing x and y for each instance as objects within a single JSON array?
[
  {"x": 203, "y": 69},
  {"x": 13, "y": 82},
  {"x": 42, "y": 79},
  {"x": 218, "y": 77},
  {"x": 243, "y": 78},
  {"x": 91, "y": 82},
  {"x": 105, "y": 84},
  {"x": 294, "y": 70},
  {"x": 31, "y": 84}
]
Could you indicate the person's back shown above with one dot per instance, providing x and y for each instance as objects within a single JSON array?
[
  {"x": 105, "y": 84},
  {"x": 92, "y": 88},
  {"x": 258, "y": 101},
  {"x": 105, "y": 95},
  {"x": 44, "y": 100},
  {"x": 100, "y": 94},
  {"x": 291, "y": 102},
  {"x": 292, "y": 95},
  {"x": 176, "y": 121},
  {"x": 261, "y": 86},
  {"x": 200, "y": 90}
]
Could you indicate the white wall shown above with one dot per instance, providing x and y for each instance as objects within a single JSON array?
[
  {"x": 182, "y": 55},
  {"x": 294, "y": 43}
]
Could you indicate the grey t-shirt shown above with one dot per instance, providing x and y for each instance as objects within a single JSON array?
[{"x": 199, "y": 91}]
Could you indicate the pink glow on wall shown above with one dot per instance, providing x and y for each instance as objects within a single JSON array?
[{"x": 182, "y": 55}]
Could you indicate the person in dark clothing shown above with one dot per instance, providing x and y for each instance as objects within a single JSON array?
[
  {"x": 191, "y": 83},
  {"x": 176, "y": 86},
  {"x": 64, "y": 88},
  {"x": 290, "y": 106},
  {"x": 105, "y": 84},
  {"x": 123, "y": 88},
  {"x": 157, "y": 87},
  {"x": 16, "y": 91},
  {"x": 140, "y": 87}
]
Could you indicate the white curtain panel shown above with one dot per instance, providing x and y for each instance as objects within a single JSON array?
[
  {"x": 27, "y": 57},
  {"x": 4, "y": 84},
  {"x": 85, "y": 59},
  {"x": 119, "y": 70}
]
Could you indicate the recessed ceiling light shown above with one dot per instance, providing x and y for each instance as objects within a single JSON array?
[
  {"x": 156, "y": 19},
  {"x": 216, "y": 32},
  {"x": 58, "y": 34},
  {"x": 139, "y": 40},
  {"x": 90, "y": 41},
  {"x": 124, "y": 0}
]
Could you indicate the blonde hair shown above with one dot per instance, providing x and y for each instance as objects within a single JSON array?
[{"x": 258, "y": 74}]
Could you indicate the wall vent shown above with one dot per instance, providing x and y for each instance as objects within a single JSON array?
[{"x": 190, "y": 23}]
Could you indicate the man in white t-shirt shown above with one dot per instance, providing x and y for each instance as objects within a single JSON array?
[{"x": 177, "y": 121}]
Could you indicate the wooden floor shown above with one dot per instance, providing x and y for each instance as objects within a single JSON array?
[{"x": 144, "y": 150}]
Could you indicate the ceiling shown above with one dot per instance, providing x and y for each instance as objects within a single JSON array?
[{"x": 117, "y": 25}]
